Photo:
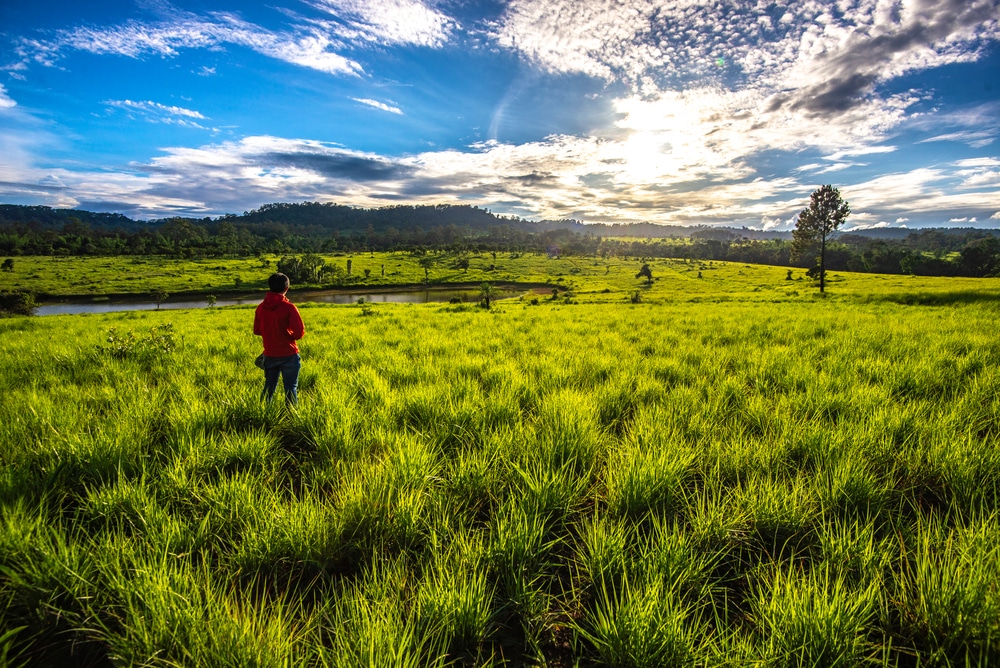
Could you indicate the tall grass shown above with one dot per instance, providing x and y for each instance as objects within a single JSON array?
[{"x": 676, "y": 483}]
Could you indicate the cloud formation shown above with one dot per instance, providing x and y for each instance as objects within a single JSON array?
[
  {"x": 392, "y": 109},
  {"x": 5, "y": 100},
  {"x": 703, "y": 95},
  {"x": 560, "y": 177},
  {"x": 155, "y": 112},
  {"x": 388, "y": 22},
  {"x": 316, "y": 44},
  {"x": 306, "y": 47}
]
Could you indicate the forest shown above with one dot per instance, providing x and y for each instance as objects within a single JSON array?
[{"x": 284, "y": 228}]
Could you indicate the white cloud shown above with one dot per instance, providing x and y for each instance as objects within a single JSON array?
[
  {"x": 978, "y": 162},
  {"x": 155, "y": 107},
  {"x": 875, "y": 226},
  {"x": 633, "y": 40},
  {"x": 838, "y": 167},
  {"x": 562, "y": 176},
  {"x": 995, "y": 216},
  {"x": 865, "y": 150},
  {"x": 767, "y": 223},
  {"x": 799, "y": 76},
  {"x": 804, "y": 75},
  {"x": 714, "y": 131},
  {"x": 901, "y": 220},
  {"x": 596, "y": 38},
  {"x": 5, "y": 100},
  {"x": 977, "y": 173},
  {"x": 155, "y": 112},
  {"x": 388, "y": 21},
  {"x": 307, "y": 47},
  {"x": 378, "y": 105},
  {"x": 317, "y": 45},
  {"x": 975, "y": 139},
  {"x": 920, "y": 191}
]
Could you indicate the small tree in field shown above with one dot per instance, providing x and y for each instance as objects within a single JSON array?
[
  {"x": 159, "y": 296},
  {"x": 826, "y": 212},
  {"x": 646, "y": 273},
  {"x": 487, "y": 295},
  {"x": 426, "y": 263}
]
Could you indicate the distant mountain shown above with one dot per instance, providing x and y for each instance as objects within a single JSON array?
[{"x": 55, "y": 219}]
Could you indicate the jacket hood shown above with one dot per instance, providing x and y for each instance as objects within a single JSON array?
[{"x": 273, "y": 300}]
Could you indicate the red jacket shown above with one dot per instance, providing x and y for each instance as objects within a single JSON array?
[{"x": 279, "y": 322}]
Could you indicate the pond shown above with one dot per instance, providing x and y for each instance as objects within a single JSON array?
[{"x": 420, "y": 296}]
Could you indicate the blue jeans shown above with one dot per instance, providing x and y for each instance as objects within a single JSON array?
[{"x": 288, "y": 369}]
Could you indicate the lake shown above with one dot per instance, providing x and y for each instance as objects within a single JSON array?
[{"x": 420, "y": 296}]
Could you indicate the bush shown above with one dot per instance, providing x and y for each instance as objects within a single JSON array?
[
  {"x": 17, "y": 303},
  {"x": 154, "y": 343}
]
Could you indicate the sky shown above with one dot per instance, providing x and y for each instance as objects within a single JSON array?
[{"x": 682, "y": 112}]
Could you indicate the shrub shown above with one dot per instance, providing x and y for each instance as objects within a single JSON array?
[
  {"x": 17, "y": 303},
  {"x": 154, "y": 343}
]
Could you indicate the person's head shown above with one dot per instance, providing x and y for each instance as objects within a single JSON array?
[{"x": 278, "y": 283}]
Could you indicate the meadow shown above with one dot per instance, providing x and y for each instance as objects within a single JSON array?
[
  {"x": 589, "y": 279},
  {"x": 731, "y": 472}
]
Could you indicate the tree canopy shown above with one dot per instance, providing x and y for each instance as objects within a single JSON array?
[{"x": 826, "y": 212}]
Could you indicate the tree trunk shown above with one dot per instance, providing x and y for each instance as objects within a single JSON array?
[{"x": 822, "y": 263}]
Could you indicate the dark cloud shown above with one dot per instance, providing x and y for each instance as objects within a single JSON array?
[
  {"x": 847, "y": 76},
  {"x": 339, "y": 166},
  {"x": 31, "y": 187},
  {"x": 834, "y": 96},
  {"x": 535, "y": 179}
]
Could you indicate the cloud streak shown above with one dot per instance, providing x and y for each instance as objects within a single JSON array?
[
  {"x": 5, "y": 100},
  {"x": 318, "y": 44},
  {"x": 155, "y": 112},
  {"x": 306, "y": 47},
  {"x": 375, "y": 104}
]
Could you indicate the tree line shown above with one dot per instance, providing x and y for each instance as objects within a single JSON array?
[{"x": 286, "y": 229}]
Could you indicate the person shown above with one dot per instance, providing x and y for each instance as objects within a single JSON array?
[{"x": 279, "y": 324}]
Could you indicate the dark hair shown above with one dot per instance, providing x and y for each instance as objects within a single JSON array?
[{"x": 278, "y": 283}]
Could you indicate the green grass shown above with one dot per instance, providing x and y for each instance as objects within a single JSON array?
[
  {"x": 714, "y": 476},
  {"x": 586, "y": 279}
]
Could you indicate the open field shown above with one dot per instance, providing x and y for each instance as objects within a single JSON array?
[
  {"x": 590, "y": 279},
  {"x": 732, "y": 472}
]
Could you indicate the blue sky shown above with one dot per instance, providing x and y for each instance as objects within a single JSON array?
[{"x": 600, "y": 110}]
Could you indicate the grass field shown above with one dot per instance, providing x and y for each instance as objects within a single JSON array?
[
  {"x": 589, "y": 279},
  {"x": 733, "y": 472}
]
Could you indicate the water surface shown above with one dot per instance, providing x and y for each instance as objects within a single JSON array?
[{"x": 423, "y": 296}]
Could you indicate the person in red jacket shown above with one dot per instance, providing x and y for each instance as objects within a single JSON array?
[{"x": 278, "y": 322}]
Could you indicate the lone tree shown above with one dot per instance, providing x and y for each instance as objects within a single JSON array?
[
  {"x": 646, "y": 273},
  {"x": 159, "y": 296},
  {"x": 427, "y": 263},
  {"x": 487, "y": 295},
  {"x": 826, "y": 212}
]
